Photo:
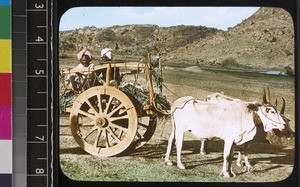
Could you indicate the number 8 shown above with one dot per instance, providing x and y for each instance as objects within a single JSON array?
[{"x": 39, "y": 171}]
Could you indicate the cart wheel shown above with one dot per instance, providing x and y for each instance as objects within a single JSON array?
[
  {"x": 103, "y": 121},
  {"x": 145, "y": 130}
]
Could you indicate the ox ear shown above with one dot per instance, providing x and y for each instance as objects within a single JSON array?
[{"x": 253, "y": 106}]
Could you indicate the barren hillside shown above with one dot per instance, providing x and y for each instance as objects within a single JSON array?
[{"x": 265, "y": 40}]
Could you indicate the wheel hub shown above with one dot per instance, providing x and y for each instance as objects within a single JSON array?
[{"x": 101, "y": 122}]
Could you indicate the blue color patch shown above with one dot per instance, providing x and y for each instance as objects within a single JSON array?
[
  {"x": 5, "y": 2},
  {"x": 6, "y": 180}
]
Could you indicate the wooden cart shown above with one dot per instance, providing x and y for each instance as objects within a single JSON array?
[{"x": 107, "y": 119}]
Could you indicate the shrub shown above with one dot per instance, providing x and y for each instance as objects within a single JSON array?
[{"x": 229, "y": 62}]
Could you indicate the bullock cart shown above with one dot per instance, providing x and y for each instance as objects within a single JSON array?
[{"x": 109, "y": 112}]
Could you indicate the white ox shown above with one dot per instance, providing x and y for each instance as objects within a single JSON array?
[
  {"x": 231, "y": 121},
  {"x": 287, "y": 132}
]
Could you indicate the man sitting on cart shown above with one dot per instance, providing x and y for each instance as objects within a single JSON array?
[
  {"x": 83, "y": 80},
  {"x": 106, "y": 57}
]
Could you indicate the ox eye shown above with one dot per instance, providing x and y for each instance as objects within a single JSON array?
[{"x": 273, "y": 112}]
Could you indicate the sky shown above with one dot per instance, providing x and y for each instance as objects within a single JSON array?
[{"x": 217, "y": 17}]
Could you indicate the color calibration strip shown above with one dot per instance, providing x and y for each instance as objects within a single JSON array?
[{"x": 5, "y": 95}]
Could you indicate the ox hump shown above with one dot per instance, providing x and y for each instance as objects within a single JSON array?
[{"x": 180, "y": 103}]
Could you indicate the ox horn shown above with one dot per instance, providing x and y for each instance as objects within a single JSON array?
[
  {"x": 275, "y": 104},
  {"x": 283, "y": 107},
  {"x": 266, "y": 96}
]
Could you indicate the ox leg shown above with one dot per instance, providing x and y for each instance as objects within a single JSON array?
[
  {"x": 170, "y": 144},
  {"x": 239, "y": 159},
  {"x": 203, "y": 145},
  {"x": 179, "y": 142},
  {"x": 228, "y": 157},
  {"x": 247, "y": 163}
]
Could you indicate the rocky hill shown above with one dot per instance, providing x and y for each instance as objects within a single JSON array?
[
  {"x": 135, "y": 40},
  {"x": 265, "y": 40}
]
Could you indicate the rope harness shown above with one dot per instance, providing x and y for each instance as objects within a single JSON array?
[{"x": 270, "y": 118}]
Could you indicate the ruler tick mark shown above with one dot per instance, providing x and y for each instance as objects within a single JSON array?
[
  {"x": 36, "y": 108},
  {"x": 41, "y": 125},
  {"x": 36, "y": 142},
  {"x": 41, "y": 158},
  {"x": 37, "y": 175},
  {"x": 36, "y": 76},
  {"x": 37, "y": 43},
  {"x": 36, "y": 10}
]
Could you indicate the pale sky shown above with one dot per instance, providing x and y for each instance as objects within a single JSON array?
[{"x": 217, "y": 17}]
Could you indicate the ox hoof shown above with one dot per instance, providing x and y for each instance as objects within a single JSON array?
[
  {"x": 169, "y": 163},
  {"x": 239, "y": 164},
  {"x": 181, "y": 166},
  {"x": 249, "y": 169},
  {"x": 227, "y": 174},
  {"x": 233, "y": 174},
  {"x": 203, "y": 153}
]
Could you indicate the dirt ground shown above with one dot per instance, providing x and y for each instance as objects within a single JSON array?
[{"x": 271, "y": 162}]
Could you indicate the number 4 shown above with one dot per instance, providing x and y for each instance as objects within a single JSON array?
[{"x": 39, "y": 39}]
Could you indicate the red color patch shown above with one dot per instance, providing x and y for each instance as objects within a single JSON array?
[{"x": 5, "y": 89}]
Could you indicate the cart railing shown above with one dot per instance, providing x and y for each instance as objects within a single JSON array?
[{"x": 117, "y": 64}]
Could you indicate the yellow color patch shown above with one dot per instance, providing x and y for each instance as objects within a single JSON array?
[{"x": 5, "y": 56}]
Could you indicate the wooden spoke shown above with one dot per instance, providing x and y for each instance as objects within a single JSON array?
[
  {"x": 146, "y": 129},
  {"x": 106, "y": 139},
  {"x": 91, "y": 107},
  {"x": 88, "y": 124},
  {"x": 86, "y": 114},
  {"x": 118, "y": 127},
  {"x": 143, "y": 125},
  {"x": 98, "y": 137},
  {"x": 108, "y": 104},
  {"x": 90, "y": 132},
  {"x": 119, "y": 118},
  {"x": 139, "y": 136},
  {"x": 99, "y": 103},
  {"x": 115, "y": 110},
  {"x": 113, "y": 135}
]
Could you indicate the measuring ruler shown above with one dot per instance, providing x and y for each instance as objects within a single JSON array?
[{"x": 38, "y": 133}]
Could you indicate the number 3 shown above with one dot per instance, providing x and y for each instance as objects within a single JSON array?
[{"x": 39, "y": 6}]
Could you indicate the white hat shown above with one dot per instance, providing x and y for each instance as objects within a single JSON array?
[{"x": 106, "y": 52}]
